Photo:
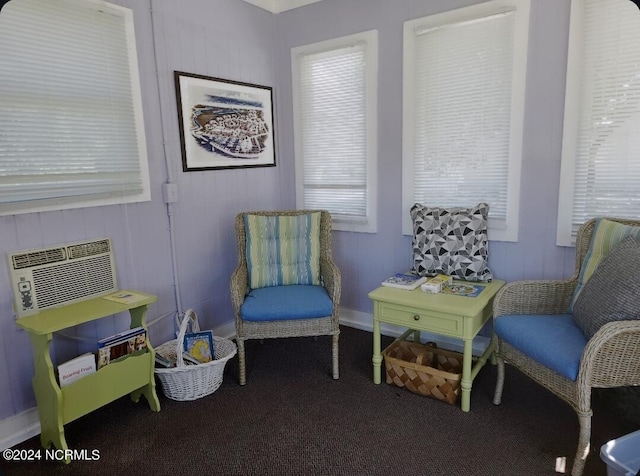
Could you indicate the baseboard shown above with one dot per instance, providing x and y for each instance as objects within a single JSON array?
[
  {"x": 228, "y": 331},
  {"x": 19, "y": 428},
  {"x": 25, "y": 425}
]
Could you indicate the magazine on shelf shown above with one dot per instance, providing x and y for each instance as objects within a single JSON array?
[
  {"x": 200, "y": 346},
  {"x": 120, "y": 345},
  {"x": 125, "y": 297},
  {"x": 75, "y": 369},
  {"x": 121, "y": 336},
  {"x": 462, "y": 289},
  {"x": 407, "y": 281}
]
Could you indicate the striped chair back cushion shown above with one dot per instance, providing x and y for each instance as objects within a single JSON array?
[
  {"x": 606, "y": 235},
  {"x": 283, "y": 249}
]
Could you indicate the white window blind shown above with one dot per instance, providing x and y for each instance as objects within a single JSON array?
[
  {"x": 600, "y": 173},
  {"x": 464, "y": 95},
  {"x": 71, "y": 130},
  {"x": 334, "y": 103}
]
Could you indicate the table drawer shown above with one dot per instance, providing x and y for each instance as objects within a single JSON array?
[{"x": 420, "y": 319}]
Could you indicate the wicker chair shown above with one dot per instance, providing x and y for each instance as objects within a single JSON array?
[
  {"x": 298, "y": 325},
  {"x": 611, "y": 358}
]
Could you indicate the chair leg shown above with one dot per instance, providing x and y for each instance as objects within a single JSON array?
[
  {"x": 334, "y": 353},
  {"x": 584, "y": 418},
  {"x": 497, "y": 396},
  {"x": 242, "y": 373}
]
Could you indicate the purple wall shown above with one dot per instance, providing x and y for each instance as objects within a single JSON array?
[
  {"x": 365, "y": 260},
  {"x": 228, "y": 39},
  {"x": 234, "y": 40}
]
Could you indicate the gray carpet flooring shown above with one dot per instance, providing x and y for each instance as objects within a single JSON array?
[{"x": 292, "y": 419}]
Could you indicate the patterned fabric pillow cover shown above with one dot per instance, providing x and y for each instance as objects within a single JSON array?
[
  {"x": 283, "y": 250},
  {"x": 613, "y": 290},
  {"x": 606, "y": 234},
  {"x": 451, "y": 241}
]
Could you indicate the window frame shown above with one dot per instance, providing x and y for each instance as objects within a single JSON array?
[
  {"x": 505, "y": 230},
  {"x": 566, "y": 230},
  {"x": 53, "y": 202},
  {"x": 368, "y": 223}
]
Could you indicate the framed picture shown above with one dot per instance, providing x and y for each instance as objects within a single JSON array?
[{"x": 224, "y": 124}]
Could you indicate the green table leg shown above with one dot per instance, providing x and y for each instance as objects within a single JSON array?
[
  {"x": 467, "y": 379},
  {"x": 149, "y": 390},
  {"x": 377, "y": 355},
  {"x": 488, "y": 355},
  {"x": 48, "y": 394}
]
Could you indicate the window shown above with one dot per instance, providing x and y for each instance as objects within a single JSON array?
[
  {"x": 71, "y": 129},
  {"x": 334, "y": 100},
  {"x": 600, "y": 172},
  {"x": 464, "y": 80}
]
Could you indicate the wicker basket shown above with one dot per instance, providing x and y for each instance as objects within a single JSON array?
[
  {"x": 190, "y": 382},
  {"x": 424, "y": 369}
]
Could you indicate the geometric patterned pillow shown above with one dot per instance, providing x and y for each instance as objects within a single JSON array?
[
  {"x": 451, "y": 241},
  {"x": 606, "y": 234},
  {"x": 283, "y": 250}
]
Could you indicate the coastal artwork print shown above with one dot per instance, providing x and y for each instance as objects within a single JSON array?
[{"x": 224, "y": 124}]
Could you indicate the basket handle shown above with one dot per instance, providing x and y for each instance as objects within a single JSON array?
[
  {"x": 422, "y": 354},
  {"x": 190, "y": 316}
]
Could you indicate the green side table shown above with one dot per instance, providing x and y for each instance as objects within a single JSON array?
[
  {"x": 132, "y": 375},
  {"x": 455, "y": 316}
]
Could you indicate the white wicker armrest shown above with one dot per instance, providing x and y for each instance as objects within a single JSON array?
[
  {"x": 330, "y": 276},
  {"x": 534, "y": 297},
  {"x": 239, "y": 286},
  {"x": 612, "y": 356}
]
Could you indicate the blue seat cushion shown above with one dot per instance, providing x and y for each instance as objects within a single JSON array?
[
  {"x": 554, "y": 341},
  {"x": 279, "y": 303}
]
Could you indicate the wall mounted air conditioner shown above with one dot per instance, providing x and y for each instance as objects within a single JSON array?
[{"x": 53, "y": 277}]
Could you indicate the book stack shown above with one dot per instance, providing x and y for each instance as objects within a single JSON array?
[
  {"x": 406, "y": 281},
  {"x": 198, "y": 348},
  {"x": 120, "y": 345},
  {"x": 170, "y": 361},
  {"x": 164, "y": 361}
]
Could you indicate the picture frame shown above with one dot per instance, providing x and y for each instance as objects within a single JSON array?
[{"x": 224, "y": 124}]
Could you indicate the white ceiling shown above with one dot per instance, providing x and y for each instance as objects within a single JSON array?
[{"x": 277, "y": 6}]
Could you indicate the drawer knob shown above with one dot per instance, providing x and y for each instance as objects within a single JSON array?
[{"x": 416, "y": 317}]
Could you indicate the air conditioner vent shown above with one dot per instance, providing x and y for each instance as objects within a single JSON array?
[
  {"x": 81, "y": 278},
  {"x": 38, "y": 258},
  {"x": 53, "y": 277},
  {"x": 88, "y": 249}
]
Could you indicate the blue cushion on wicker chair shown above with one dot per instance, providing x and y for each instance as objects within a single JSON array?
[
  {"x": 554, "y": 341},
  {"x": 277, "y": 303}
]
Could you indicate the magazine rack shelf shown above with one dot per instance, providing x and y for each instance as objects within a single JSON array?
[{"x": 133, "y": 375}]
